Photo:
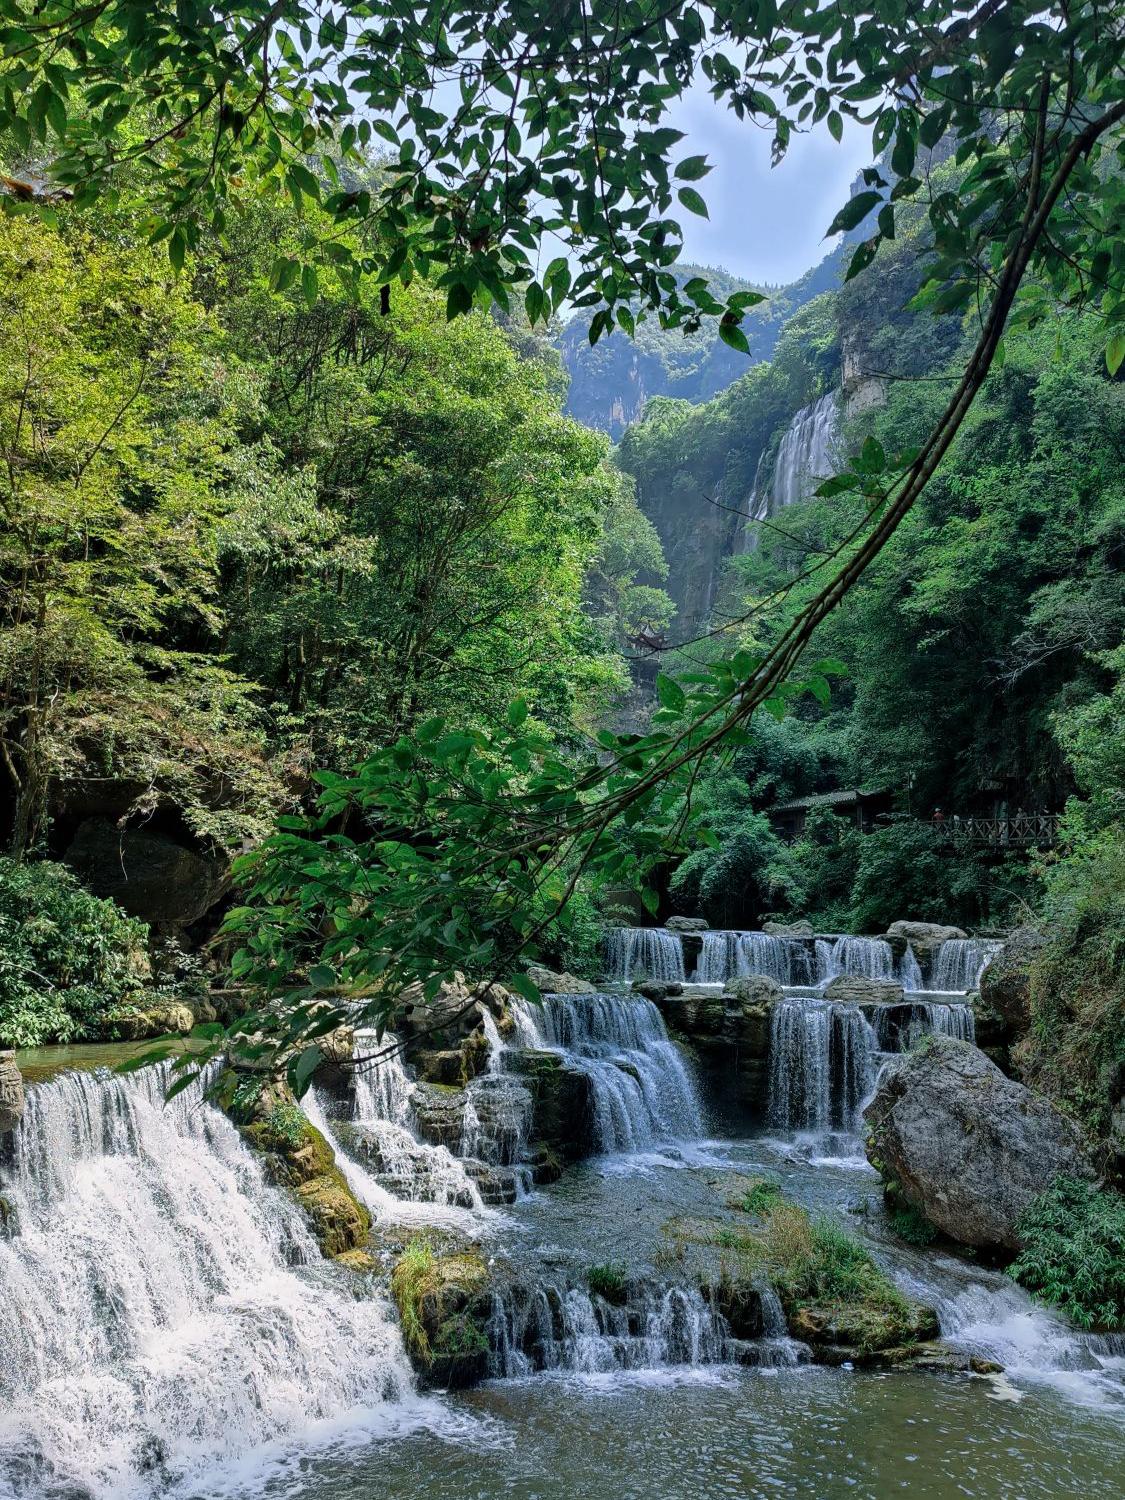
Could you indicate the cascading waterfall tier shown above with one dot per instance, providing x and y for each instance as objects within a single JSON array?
[
  {"x": 165, "y": 1309},
  {"x": 823, "y": 1055},
  {"x": 642, "y": 1090},
  {"x": 959, "y": 963},
  {"x": 652, "y": 951},
  {"x": 552, "y": 1326},
  {"x": 820, "y": 1065},
  {"x": 387, "y": 1164},
  {"x": 807, "y": 453},
  {"x": 793, "y": 962}
]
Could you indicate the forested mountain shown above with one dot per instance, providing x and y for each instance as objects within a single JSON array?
[
  {"x": 974, "y": 651},
  {"x": 612, "y": 381}
]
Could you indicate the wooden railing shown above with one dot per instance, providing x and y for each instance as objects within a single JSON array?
[{"x": 1020, "y": 831}]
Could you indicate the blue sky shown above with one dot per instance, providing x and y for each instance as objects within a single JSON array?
[{"x": 766, "y": 224}]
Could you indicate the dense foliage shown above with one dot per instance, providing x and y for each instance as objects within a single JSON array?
[
  {"x": 1073, "y": 1252},
  {"x": 67, "y": 960},
  {"x": 246, "y": 536},
  {"x": 979, "y": 647}
]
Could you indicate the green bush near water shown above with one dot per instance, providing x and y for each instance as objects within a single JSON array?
[
  {"x": 1074, "y": 1252},
  {"x": 67, "y": 959},
  {"x": 610, "y": 1281}
]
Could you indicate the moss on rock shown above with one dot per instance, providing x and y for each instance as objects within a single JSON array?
[{"x": 444, "y": 1302}]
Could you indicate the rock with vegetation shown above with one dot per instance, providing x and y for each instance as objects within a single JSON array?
[
  {"x": 299, "y": 1157},
  {"x": 788, "y": 929},
  {"x": 1005, "y": 985},
  {"x": 969, "y": 1148},
  {"x": 11, "y": 1093},
  {"x": 562, "y": 1115},
  {"x": 556, "y": 982},
  {"x": 924, "y": 937},
  {"x": 444, "y": 1300},
  {"x": 139, "y": 1024},
  {"x": 834, "y": 1296}
]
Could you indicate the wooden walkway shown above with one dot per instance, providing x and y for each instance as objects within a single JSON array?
[{"x": 1020, "y": 831}]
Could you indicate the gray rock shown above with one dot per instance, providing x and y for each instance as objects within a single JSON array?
[
  {"x": 658, "y": 989},
  {"x": 11, "y": 1092},
  {"x": 968, "y": 1147},
  {"x": 857, "y": 989},
  {"x": 788, "y": 930},
  {"x": 756, "y": 989},
  {"x": 559, "y": 982},
  {"x": 150, "y": 876},
  {"x": 687, "y": 924},
  {"x": 924, "y": 937},
  {"x": 1005, "y": 985}
]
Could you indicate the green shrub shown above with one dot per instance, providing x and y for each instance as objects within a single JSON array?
[
  {"x": 912, "y": 1226},
  {"x": 67, "y": 959},
  {"x": 759, "y": 1198},
  {"x": 610, "y": 1281},
  {"x": 1074, "y": 1252}
]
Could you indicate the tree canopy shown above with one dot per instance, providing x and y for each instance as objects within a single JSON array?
[{"x": 513, "y": 134}]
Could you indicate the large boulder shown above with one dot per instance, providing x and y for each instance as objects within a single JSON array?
[
  {"x": 857, "y": 989},
  {"x": 1005, "y": 985},
  {"x": 788, "y": 930},
  {"x": 924, "y": 937},
  {"x": 968, "y": 1147},
  {"x": 150, "y": 876},
  {"x": 687, "y": 924},
  {"x": 11, "y": 1092},
  {"x": 559, "y": 982}
]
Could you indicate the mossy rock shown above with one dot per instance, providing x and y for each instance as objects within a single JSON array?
[
  {"x": 845, "y": 1332},
  {"x": 300, "y": 1158},
  {"x": 444, "y": 1298}
]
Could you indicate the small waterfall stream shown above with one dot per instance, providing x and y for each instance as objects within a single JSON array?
[
  {"x": 652, "y": 951},
  {"x": 821, "y": 1065},
  {"x": 806, "y": 455},
  {"x": 959, "y": 963},
  {"x": 642, "y": 1090},
  {"x": 165, "y": 1309},
  {"x": 387, "y": 1164}
]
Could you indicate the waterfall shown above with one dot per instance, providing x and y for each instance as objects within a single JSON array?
[
  {"x": 714, "y": 962},
  {"x": 820, "y": 1065},
  {"x": 642, "y": 1090},
  {"x": 868, "y": 958},
  {"x": 165, "y": 1309},
  {"x": 739, "y": 955},
  {"x": 387, "y": 1165},
  {"x": 806, "y": 455},
  {"x": 959, "y": 963},
  {"x": 553, "y": 1327},
  {"x": 910, "y": 971},
  {"x": 899, "y": 1026},
  {"x": 653, "y": 951}
]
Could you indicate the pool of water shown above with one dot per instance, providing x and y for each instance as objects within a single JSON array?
[{"x": 719, "y": 1433}]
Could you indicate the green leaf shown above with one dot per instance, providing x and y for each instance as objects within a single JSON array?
[
  {"x": 1115, "y": 351},
  {"x": 732, "y": 334},
  {"x": 693, "y": 202},
  {"x": 517, "y": 712},
  {"x": 322, "y": 977},
  {"x": 524, "y": 985},
  {"x": 302, "y": 1068},
  {"x": 692, "y": 168},
  {"x": 854, "y": 211},
  {"x": 310, "y": 285},
  {"x": 872, "y": 459},
  {"x": 651, "y": 901},
  {"x": 669, "y": 691}
]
